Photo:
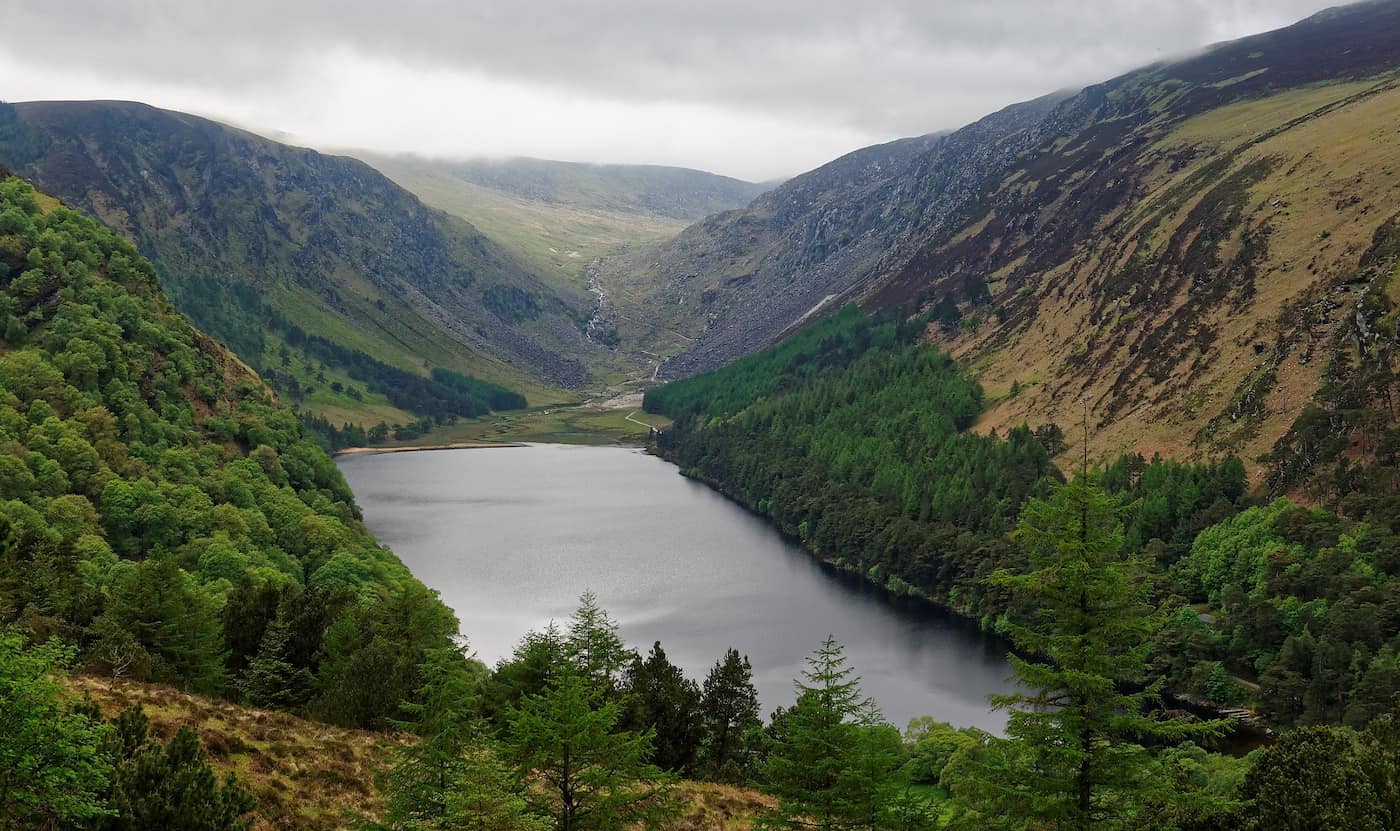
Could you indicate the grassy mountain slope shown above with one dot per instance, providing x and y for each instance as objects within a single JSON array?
[
  {"x": 252, "y": 238},
  {"x": 1175, "y": 244},
  {"x": 555, "y": 236}
]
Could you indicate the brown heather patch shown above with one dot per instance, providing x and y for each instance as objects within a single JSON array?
[
  {"x": 706, "y": 806},
  {"x": 310, "y": 776},
  {"x": 304, "y": 774},
  {"x": 1335, "y": 177}
]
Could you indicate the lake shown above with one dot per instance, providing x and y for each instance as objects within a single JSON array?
[{"x": 512, "y": 536}]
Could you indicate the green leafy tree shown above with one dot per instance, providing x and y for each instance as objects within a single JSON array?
[
  {"x": 1074, "y": 761},
  {"x": 52, "y": 773},
  {"x": 1314, "y": 778},
  {"x": 729, "y": 713},
  {"x": 663, "y": 699},
  {"x": 833, "y": 765},
  {"x": 597, "y": 775},
  {"x": 931, "y": 744}
]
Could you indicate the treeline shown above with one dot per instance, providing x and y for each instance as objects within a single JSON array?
[
  {"x": 161, "y": 514},
  {"x": 851, "y": 437},
  {"x": 443, "y": 395},
  {"x": 333, "y": 438}
]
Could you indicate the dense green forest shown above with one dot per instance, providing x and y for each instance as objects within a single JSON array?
[
  {"x": 852, "y": 437},
  {"x": 161, "y": 513}
]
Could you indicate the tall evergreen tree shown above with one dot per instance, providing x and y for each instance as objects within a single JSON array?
[
  {"x": 663, "y": 699},
  {"x": 729, "y": 713},
  {"x": 271, "y": 679},
  {"x": 833, "y": 766},
  {"x": 596, "y": 647},
  {"x": 1072, "y": 760},
  {"x": 597, "y": 775}
]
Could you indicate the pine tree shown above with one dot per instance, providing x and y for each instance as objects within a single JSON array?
[
  {"x": 663, "y": 699},
  {"x": 1071, "y": 760},
  {"x": 173, "y": 787},
  {"x": 597, "y": 775},
  {"x": 729, "y": 712},
  {"x": 834, "y": 762}
]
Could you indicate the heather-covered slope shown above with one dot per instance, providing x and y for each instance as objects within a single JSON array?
[{"x": 1177, "y": 244}]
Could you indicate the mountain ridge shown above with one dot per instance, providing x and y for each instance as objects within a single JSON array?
[
  {"x": 1015, "y": 232},
  {"x": 253, "y": 237}
]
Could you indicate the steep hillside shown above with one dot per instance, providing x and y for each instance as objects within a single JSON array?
[
  {"x": 263, "y": 244},
  {"x": 161, "y": 513},
  {"x": 1176, "y": 244}
]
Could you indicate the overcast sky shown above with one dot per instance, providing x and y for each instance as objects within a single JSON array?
[{"x": 751, "y": 88}]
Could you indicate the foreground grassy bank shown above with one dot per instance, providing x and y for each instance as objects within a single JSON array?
[{"x": 311, "y": 776}]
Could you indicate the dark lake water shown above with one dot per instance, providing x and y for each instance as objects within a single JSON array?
[{"x": 511, "y": 537}]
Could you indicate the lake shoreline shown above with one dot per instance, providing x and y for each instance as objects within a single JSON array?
[
  {"x": 1247, "y": 733},
  {"x": 422, "y": 448}
]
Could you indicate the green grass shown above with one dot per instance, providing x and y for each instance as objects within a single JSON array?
[
  {"x": 580, "y": 424},
  {"x": 555, "y": 241}
]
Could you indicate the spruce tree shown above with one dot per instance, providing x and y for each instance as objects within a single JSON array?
[
  {"x": 596, "y": 775},
  {"x": 729, "y": 713},
  {"x": 271, "y": 679},
  {"x": 833, "y": 765},
  {"x": 1072, "y": 759}
]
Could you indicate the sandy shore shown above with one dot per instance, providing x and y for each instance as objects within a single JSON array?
[{"x": 414, "y": 448}]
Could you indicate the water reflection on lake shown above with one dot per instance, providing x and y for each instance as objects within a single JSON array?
[{"x": 511, "y": 537}]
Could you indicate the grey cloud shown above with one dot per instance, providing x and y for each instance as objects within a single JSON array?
[{"x": 884, "y": 67}]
